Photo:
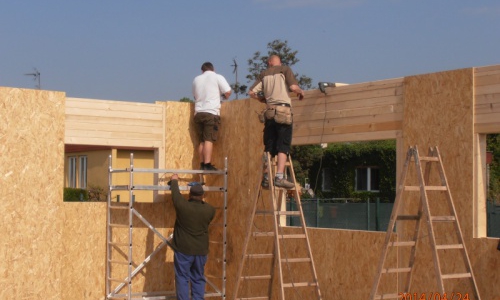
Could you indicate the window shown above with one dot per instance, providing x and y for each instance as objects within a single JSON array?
[
  {"x": 326, "y": 185},
  {"x": 367, "y": 179},
  {"x": 82, "y": 172},
  {"x": 72, "y": 171}
]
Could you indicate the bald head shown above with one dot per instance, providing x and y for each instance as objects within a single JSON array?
[{"x": 274, "y": 60}]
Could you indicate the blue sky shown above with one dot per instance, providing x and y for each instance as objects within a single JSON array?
[{"x": 151, "y": 50}]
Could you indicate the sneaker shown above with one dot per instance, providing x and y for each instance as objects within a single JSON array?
[
  {"x": 265, "y": 183},
  {"x": 202, "y": 166},
  {"x": 209, "y": 167},
  {"x": 283, "y": 183}
]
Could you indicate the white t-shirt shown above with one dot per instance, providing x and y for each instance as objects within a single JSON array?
[{"x": 208, "y": 89}]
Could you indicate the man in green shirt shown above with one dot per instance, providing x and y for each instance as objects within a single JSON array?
[{"x": 190, "y": 240}]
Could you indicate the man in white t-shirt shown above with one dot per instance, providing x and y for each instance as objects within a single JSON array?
[{"x": 209, "y": 89}]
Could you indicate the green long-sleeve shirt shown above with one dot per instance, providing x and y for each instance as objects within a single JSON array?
[{"x": 191, "y": 223}]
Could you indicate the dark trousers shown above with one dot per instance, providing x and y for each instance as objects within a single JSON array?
[{"x": 189, "y": 268}]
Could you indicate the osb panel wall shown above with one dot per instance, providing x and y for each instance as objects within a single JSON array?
[
  {"x": 439, "y": 112},
  {"x": 84, "y": 248},
  {"x": 487, "y": 99},
  {"x": 113, "y": 123},
  {"x": 358, "y": 112},
  {"x": 31, "y": 187}
]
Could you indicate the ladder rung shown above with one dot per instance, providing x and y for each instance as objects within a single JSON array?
[
  {"x": 261, "y": 234},
  {"x": 407, "y": 217},
  {"x": 117, "y": 280},
  {"x": 397, "y": 244},
  {"x": 263, "y": 255},
  {"x": 288, "y": 213},
  {"x": 396, "y": 270},
  {"x": 429, "y": 158},
  {"x": 456, "y": 275},
  {"x": 436, "y": 188},
  {"x": 443, "y": 219},
  {"x": 118, "y": 206},
  {"x": 451, "y": 246},
  {"x": 119, "y": 244},
  {"x": 415, "y": 188},
  {"x": 294, "y": 260},
  {"x": 299, "y": 284},
  {"x": 292, "y": 236},
  {"x": 254, "y": 298},
  {"x": 256, "y": 277},
  {"x": 119, "y": 225},
  {"x": 412, "y": 188},
  {"x": 120, "y": 262},
  {"x": 388, "y": 296}
]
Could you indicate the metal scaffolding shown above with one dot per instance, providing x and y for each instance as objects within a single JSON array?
[{"x": 119, "y": 284}]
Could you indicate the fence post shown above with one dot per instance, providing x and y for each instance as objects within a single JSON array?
[
  {"x": 368, "y": 213},
  {"x": 377, "y": 213},
  {"x": 317, "y": 212}
]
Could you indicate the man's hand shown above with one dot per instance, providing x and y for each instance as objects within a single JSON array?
[
  {"x": 174, "y": 177},
  {"x": 296, "y": 89},
  {"x": 300, "y": 95}
]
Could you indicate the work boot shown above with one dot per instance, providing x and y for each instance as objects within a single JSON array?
[
  {"x": 265, "y": 183},
  {"x": 283, "y": 183},
  {"x": 209, "y": 167}
]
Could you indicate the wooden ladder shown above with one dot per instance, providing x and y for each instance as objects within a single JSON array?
[
  {"x": 270, "y": 245},
  {"x": 427, "y": 187}
]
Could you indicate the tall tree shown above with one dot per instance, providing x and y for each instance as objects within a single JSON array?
[{"x": 258, "y": 62}]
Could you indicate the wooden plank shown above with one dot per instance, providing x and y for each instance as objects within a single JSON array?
[
  {"x": 487, "y": 98},
  {"x": 490, "y": 79},
  {"x": 487, "y": 89},
  {"x": 113, "y": 105},
  {"x": 304, "y": 131},
  {"x": 487, "y": 118},
  {"x": 145, "y": 130},
  {"x": 112, "y": 134},
  {"x": 485, "y": 69},
  {"x": 331, "y": 117},
  {"x": 113, "y": 121},
  {"x": 485, "y": 128},
  {"x": 117, "y": 114},
  {"x": 349, "y": 113},
  {"x": 486, "y": 108},
  {"x": 112, "y": 142},
  {"x": 324, "y": 105},
  {"x": 349, "y": 137}
]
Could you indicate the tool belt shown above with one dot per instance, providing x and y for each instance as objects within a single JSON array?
[{"x": 280, "y": 113}]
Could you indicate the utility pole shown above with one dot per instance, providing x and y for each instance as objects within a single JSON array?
[{"x": 36, "y": 77}]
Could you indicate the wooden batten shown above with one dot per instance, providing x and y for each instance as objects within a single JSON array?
[
  {"x": 365, "y": 111},
  {"x": 114, "y": 123},
  {"x": 487, "y": 99}
]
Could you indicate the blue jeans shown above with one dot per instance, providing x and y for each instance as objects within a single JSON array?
[{"x": 189, "y": 268}]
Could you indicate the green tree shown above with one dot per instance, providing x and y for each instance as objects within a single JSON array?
[
  {"x": 493, "y": 145},
  {"x": 186, "y": 99},
  {"x": 258, "y": 62}
]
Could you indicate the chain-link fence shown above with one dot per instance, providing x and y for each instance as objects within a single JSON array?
[
  {"x": 493, "y": 211},
  {"x": 370, "y": 214},
  {"x": 343, "y": 213}
]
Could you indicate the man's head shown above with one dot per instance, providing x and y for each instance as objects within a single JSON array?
[
  {"x": 196, "y": 192},
  {"x": 274, "y": 60},
  {"x": 207, "y": 66}
]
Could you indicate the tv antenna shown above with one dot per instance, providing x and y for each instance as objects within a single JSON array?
[
  {"x": 36, "y": 77},
  {"x": 235, "y": 71}
]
